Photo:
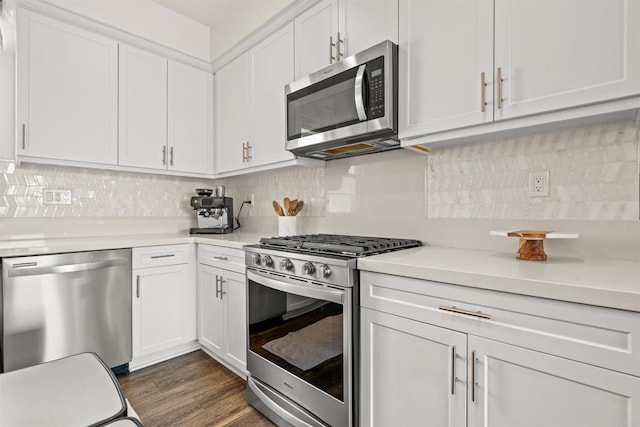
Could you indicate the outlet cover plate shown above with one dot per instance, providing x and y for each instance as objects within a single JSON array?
[{"x": 539, "y": 183}]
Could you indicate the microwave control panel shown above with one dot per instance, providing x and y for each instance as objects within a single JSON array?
[{"x": 375, "y": 71}]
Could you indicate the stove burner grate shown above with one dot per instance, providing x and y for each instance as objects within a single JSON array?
[{"x": 356, "y": 246}]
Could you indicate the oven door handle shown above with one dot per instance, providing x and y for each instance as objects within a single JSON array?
[
  {"x": 292, "y": 288},
  {"x": 362, "y": 113}
]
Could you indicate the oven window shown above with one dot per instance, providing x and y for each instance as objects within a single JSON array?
[
  {"x": 328, "y": 104},
  {"x": 303, "y": 336}
]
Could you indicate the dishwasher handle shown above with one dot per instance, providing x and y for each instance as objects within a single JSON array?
[{"x": 18, "y": 270}]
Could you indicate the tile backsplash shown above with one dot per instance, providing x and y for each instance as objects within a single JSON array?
[
  {"x": 95, "y": 193},
  {"x": 594, "y": 175}
]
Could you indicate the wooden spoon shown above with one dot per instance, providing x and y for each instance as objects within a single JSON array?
[
  {"x": 298, "y": 208},
  {"x": 292, "y": 207},
  {"x": 277, "y": 208},
  {"x": 287, "y": 205}
]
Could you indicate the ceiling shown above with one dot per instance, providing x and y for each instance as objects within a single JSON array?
[{"x": 229, "y": 20}]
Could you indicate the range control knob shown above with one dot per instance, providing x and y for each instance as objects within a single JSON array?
[
  {"x": 255, "y": 259},
  {"x": 267, "y": 261},
  {"x": 324, "y": 271},
  {"x": 308, "y": 268},
  {"x": 286, "y": 264}
]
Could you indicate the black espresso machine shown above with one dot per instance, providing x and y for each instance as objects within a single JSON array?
[{"x": 214, "y": 212}]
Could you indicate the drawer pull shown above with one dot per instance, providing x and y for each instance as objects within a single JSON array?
[
  {"x": 455, "y": 309},
  {"x": 138, "y": 286},
  {"x": 221, "y": 258},
  {"x": 162, "y": 256}
]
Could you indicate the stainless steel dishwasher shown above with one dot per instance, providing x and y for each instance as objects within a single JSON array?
[{"x": 57, "y": 305}]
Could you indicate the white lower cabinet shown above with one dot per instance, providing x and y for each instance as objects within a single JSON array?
[
  {"x": 406, "y": 368},
  {"x": 458, "y": 356},
  {"x": 520, "y": 387},
  {"x": 222, "y": 305},
  {"x": 164, "y": 292}
]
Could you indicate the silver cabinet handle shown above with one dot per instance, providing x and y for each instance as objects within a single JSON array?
[
  {"x": 339, "y": 54},
  {"x": 483, "y": 86},
  {"x": 331, "y": 45},
  {"x": 473, "y": 376},
  {"x": 222, "y": 291},
  {"x": 499, "y": 81},
  {"x": 219, "y": 289},
  {"x": 454, "y": 309},
  {"x": 162, "y": 256},
  {"x": 164, "y": 155},
  {"x": 249, "y": 147},
  {"x": 357, "y": 92},
  {"x": 221, "y": 258},
  {"x": 453, "y": 370},
  {"x": 171, "y": 156},
  {"x": 138, "y": 286},
  {"x": 24, "y": 136}
]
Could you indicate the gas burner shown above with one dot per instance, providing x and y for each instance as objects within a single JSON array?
[{"x": 333, "y": 244}]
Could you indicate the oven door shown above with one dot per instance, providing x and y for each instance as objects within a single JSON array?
[{"x": 300, "y": 343}]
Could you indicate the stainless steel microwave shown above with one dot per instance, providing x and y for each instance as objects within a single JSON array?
[{"x": 346, "y": 109}]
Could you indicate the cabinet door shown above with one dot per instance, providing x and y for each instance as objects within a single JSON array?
[
  {"x": 232, "y": 115},
  {"x": 271, "y": 65},
  {"x": 143, "y": 109},
  {"x": 235, "y": 319},
  {"x": 67, "y": 92},
  {"x": 367, "y": 23},
  {"x": 162, "y": 308},
  {"x": 190, "y": 127},
  {"x": 559, "y": 54},
  {"x": 314, "y": 31},
  {"x": 412, "y": 373},
  {"x": 210, "y": 309},
  {"x": 444, "y": 49},
  {"x": 524, "y": 388}
]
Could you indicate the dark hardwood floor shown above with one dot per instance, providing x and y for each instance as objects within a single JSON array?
[{"x": 190, "y": 390}]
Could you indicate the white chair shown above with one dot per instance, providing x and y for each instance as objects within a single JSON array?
[{"x": 78, "y": 390}]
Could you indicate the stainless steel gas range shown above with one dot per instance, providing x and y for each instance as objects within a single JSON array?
[{"x": 303, "y": 321}]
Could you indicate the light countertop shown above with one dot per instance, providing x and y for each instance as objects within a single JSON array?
[
  {"x": 10, "y": 248},
  {"x": 601, "y": 282}
]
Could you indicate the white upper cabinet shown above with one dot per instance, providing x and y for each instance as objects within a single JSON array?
[
  {"x": 365, "y": 23},
  {"x": 445, "y": 49},
  {"x": 67, "y": 92},
  {"x": 559, "y": 54},
  {"x": 457, "y": 72},
  {"x": 190, "y": 113},
  {"x": 271, "y": 68},
  {"x": 316, "y": 35},
  {"x": 250, "y": 105},
  {"x": 166, "y": 114},
  {"x": 232, "y": 117},
  {"x": 143, "y": 109},
  {"x": 334, "y": 29}
]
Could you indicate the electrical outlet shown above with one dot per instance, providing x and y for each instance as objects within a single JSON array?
[
  {"x": 539, "y": 183},
  {"x": 57, "y": 197},
  {"x": 253, "y": 200}
]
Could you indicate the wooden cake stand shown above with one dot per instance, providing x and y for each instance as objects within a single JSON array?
[{"x": 531, "y": 246}]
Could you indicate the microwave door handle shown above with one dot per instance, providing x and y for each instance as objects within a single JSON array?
[{"x": 362, "y": 112}]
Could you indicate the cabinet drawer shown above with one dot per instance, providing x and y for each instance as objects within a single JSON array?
[
  {"x": 155, "y": 256},
  {"x": 596, "y": 335},
  {"x": 221, "y": 257}
]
